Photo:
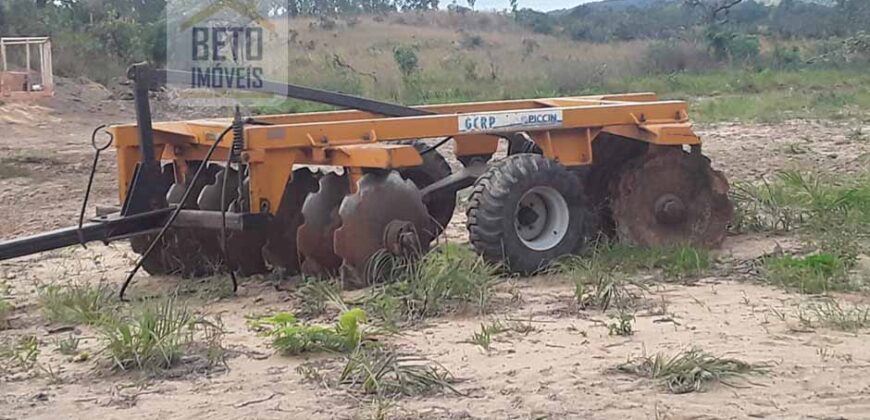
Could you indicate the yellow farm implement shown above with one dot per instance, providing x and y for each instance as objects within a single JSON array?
[{"x": 245, "y": 195}]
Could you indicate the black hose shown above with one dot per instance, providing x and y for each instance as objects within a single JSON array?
[{"x": 174, "y": 214}]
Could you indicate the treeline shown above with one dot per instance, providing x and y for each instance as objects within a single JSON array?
[
  {"x": 99, "y": 38},
  {"x": 623, "y": 20}
]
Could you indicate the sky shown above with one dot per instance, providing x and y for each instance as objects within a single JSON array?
[{"x": 543, "y": 5}]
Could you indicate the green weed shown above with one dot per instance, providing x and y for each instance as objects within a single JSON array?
[
  {"x": 290, "y": 337},
  {"x": 69, "y": 345},
  {"x": 690, "y": 371},
  {"x": 621, "y": 324},
  {"x": 76, "y": 303},
  {"x": 812, "y": 274}
]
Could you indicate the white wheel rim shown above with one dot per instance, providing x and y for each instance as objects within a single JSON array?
[{"x": 541, "y": 218}]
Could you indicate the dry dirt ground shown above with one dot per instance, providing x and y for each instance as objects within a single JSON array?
[{"x": 563, "y": 369}]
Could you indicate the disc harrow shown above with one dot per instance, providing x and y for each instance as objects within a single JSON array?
[{"x": 626, "y": 165}]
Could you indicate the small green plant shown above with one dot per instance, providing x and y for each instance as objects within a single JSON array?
[
  {"x": 483, "y": 338},
  {"x": 829, "y": 313},
  {"x": 812, "y": 274},
  {"x": 154, "y": 335},
  {"x": 291, "y": 337},
  {"x": 690, "y": 371},
  {"x": 621, "y": 324},
  {"x": 69, "y": 345},
  {"x": 385, "y": 372},
  {"x": 76, "y": 303}
]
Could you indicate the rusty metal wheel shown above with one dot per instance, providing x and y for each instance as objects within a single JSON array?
[
  {"x": 281, "y": 249},
  {"x": 611, "y": 154},
  {"x": 386, "y": 213},
  {"x": 669, "y": 197},
  {"x": 314, "y": 238}
]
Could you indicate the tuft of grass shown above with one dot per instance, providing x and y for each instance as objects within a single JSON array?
[
  {"x": 675, "y": 262},
  {"x": 76, "y": 303},
  {"x": 446, "y": 279},
  {"x": 621, "y": 324},
  {"x": 831, "y": 314},
  {"x": 22, "y": 355},
  {"x": 290, "y": 337},
  {"x": 68, "y": 346},
  {"x": 483, "y": 338},
  {"x": 155, "y": 335},
  {"x": 693, "y": 370},
  {"x": 316, "y": 296},
  {"x": 385, "y": 372},
  {"x": 795, "y": 199},
  {"x": 811, "y": 274}
]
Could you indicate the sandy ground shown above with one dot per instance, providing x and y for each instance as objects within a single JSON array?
[{"x": 563, "y": 369}]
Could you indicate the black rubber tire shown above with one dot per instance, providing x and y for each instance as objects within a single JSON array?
[
  {"x": 493, "y": 204},
  {"x": 441, "y": 204}
]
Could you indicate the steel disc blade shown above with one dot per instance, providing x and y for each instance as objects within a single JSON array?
[
  {"x": 365, "y": 216},
  {"x": 210, "y": 196},
  {"x": 281, "y": 249},
  {"x": 671, "y": 197},
  {"x": 314, "y": 238}
]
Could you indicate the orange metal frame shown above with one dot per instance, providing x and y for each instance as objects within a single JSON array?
[{"x": 564, "y": 128}]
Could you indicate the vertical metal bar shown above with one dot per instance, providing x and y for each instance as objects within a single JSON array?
[
  {"x": 3, "y": 54},
  {"x": 141, "y": 75}
]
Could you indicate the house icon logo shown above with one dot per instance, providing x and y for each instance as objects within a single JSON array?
[{"x": 244, "y": 8}]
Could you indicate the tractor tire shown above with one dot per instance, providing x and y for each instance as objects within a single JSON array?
[
  {"x": 440, "y": 204},
  {"x": 525, "y": 211}
]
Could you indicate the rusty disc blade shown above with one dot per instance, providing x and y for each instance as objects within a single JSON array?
[
  {"x": 382, "y": 199},
  {"x": 670, "y": 197},
  {"x": 314, "y": 238},
  {"x": 281, "y": 249}
]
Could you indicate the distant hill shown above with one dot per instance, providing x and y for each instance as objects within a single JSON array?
[{"x": 645, "y": 4}]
